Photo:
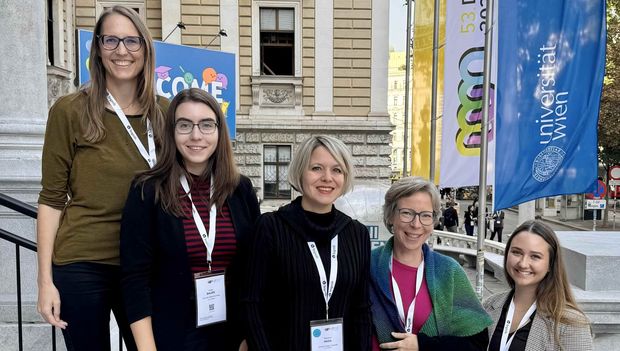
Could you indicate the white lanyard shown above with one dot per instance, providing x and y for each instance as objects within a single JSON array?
[
  {"x": 408, "y": 323},
  {"x": 328, "y": 288},
  {"x": 209, "y": 240},
  {"x": 149, "y": 156},
  {"x": 505, "y": 341}
]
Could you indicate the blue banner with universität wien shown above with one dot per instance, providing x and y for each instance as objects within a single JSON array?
[{"x": 551, "y": 63}]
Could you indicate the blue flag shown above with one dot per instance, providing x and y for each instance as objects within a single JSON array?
[{"x": 551, "y": 63}]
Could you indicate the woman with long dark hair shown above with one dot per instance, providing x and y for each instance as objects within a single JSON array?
[{"x": 184, "y": 232}]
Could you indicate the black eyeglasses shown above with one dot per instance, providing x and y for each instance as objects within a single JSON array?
[
  {"x": 111, "y": 42},
  {"x": 408, "y": 215},
  {"x": 185, "y": 126}
]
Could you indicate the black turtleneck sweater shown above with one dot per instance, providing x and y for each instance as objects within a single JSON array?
[{"x": 284, "y": 291}]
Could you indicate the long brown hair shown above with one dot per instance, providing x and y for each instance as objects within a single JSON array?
[
  {"x": 166, "y": 173},
  {"x": 554, "y": 296},
  {"x": 95, "y": 90}
]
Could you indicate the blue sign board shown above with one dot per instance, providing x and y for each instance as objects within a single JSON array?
[{"x": 179, "y": 67}]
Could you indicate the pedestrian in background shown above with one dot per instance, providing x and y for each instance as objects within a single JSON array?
[
  {"x": 451, "y": 218},
  {"x": 539, "y": 311},
  {"x": 187, "y": 222},
  {"x": 469, "y": 220},
  {"x": 96, "y": 141},
  {"x": 421, "y": 300},
  {"x": 497, "y": 225},
  {"x": 310, "y": 263}
]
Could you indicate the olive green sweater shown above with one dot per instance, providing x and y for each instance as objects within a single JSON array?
[{"x": 88, "y": 181}]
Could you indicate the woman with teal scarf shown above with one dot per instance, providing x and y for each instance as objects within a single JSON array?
[{"x": 421, "y": 300}]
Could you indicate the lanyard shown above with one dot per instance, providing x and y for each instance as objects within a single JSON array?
[
  {"x": 408, "y": 323},
  {"x": 208, "y": 240},
  {"x": 150, "y": 156},
  {"x": 327, "y": 288},
  {"x": 505, "y": 341}
]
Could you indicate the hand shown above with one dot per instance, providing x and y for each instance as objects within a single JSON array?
[
  {"x": 48, "y": 305},
  {"x": 407, "y": 342},
  {"x": 243, "y": 346}
]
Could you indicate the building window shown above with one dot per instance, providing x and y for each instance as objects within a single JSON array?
[
  {"x": 135, "y": 5},
  {"x": 395, "y": 84},
  {"x": 395, "y": 100},
  {"x": 50, "y": 32},
  {"x": 276, "y": 160},
  {"x": 277, "y": 41}
]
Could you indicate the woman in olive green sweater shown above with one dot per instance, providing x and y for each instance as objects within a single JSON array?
[{"x": 95, "y": 142}]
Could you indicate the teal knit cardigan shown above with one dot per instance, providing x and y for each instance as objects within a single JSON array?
[{"x": 456, "y": 309}]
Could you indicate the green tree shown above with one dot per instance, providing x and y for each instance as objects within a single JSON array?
[{"x": 609, "y": 117}]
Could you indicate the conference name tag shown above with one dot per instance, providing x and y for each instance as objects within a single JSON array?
[
  {"x": 326, "y": 335},
  {"x": 210, "y": 298}
]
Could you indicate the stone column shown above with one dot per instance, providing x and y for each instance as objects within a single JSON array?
[
  {"x": 527, "y": 211},
  {"x": 23, "y": 70}
]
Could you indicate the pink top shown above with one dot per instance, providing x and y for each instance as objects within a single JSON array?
[{"x": 406, "y": 278}]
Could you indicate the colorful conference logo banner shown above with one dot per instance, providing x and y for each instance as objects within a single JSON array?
[
  {"x": 463, "y": 90},
  {"x": 550, "y": 76},
  {"x": 422, "y": 83},
  {"x": 179, "y": 67}
]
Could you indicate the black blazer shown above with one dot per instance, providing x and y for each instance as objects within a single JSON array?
[{"x": 157, "y": 280}]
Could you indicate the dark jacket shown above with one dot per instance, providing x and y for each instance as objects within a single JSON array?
[
  {"x": 284, "y": 289},
  {"x": 157, "y": 280}
]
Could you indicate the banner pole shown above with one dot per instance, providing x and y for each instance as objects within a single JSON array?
[
  {"x": 484, "y": 143},
  {"x": 407, "y": 87},
  {"x": 433, "y": 140}
]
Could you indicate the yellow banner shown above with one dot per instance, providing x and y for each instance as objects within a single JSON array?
[{"x": 422, "y": 86}]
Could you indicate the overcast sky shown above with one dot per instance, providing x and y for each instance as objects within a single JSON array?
[{"x": 398, "y": 23}]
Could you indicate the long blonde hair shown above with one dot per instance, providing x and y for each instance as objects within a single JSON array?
[
  {"x": 554, "y": 297},
  {"x": 95, "y": 91}
]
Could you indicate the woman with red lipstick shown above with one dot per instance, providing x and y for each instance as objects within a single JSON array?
[
  {"x": 96, "y": 140},
  {"x": 184, "y": 234},
  {"x": 421, "y": 300},
  {"x": 309, "y": 262},
  {"x": 539, "y": 312}
]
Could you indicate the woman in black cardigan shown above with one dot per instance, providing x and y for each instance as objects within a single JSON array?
[
  {"x": 309, "y": 262},
  {"x": 166, "y": 231}
]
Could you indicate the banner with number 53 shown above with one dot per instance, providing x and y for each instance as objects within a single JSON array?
[{"x": 462, "y": 112}]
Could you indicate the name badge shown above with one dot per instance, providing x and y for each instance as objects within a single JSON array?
[
  {"x": 210, "y": 298},
  {"x": 326, "y": 335}
]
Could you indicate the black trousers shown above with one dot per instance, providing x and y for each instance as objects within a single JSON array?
[
  {"x": 499, "y": 233},
  {"x": 88, "y": 292}
]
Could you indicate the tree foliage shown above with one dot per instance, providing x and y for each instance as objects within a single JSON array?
[{"x": 609, "y": 117}]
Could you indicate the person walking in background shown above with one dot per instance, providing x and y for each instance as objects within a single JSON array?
[
  {"x": 497, "y": 225},
  {"x": 96, "y": 140},
  {"x": 185, "y": 221},
  {"x": 309, "y": 262},
  {"x": 451, "y": 218},
  {"x": 469, "y": 220},
  {"x": 421, "y": 300},
  {"x": 539, "y": 311}
]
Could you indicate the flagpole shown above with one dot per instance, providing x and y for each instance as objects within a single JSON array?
[
  {"x": 433, "y": 140},
  {"x": 484, "y": 144},
  {"x": 407, "y": 79}
]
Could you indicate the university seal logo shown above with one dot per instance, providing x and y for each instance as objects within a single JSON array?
[{"x": 547, "y": 163}]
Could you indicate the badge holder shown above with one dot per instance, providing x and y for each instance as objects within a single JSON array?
[
  {"x": 210, "y": 298},
  {"x": 326, "y": 335}
]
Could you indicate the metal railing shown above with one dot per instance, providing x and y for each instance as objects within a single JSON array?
[{"x": 20, "y": 242}]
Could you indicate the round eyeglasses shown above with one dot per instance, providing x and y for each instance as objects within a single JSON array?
[
  {"x": 407, "y": 215},
  {"x": 185, "y": 126},
  {"x": 111, "y": 42}
]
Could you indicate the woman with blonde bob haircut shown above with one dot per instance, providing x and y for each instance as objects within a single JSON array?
[
  {"x": 421, "y": 299},
  {"x": 309, "y": 262},
  {"x": 97, "y": 139},
  {"x": 539, "y": 310}
]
